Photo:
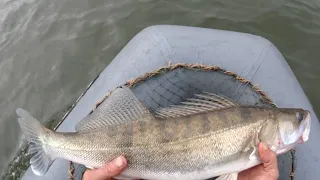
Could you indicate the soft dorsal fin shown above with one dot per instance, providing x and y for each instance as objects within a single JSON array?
[
  {"x": 121, "y": 106},
  {"x": 200, "y": 103}
]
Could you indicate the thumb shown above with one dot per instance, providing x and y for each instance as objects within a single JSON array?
[
  {"x": 108, "y": 171},
  {"x": 268, "y": 158}
]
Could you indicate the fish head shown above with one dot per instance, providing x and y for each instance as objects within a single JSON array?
[{"x": 293, "y": 128}]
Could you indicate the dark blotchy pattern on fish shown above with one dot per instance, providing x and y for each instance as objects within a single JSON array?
[
  {"x": 207, "y": 136},
  {"x": 174, "y": 144}
]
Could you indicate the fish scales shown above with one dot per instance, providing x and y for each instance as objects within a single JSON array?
[
  {"x": 206, "y": 137},
  {"x": 164, "y": 145}
]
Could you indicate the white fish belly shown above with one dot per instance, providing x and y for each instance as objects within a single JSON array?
[{"x": 238, "y": 165}]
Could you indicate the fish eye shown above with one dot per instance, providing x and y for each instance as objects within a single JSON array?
[{"x": 299, "y": 116}]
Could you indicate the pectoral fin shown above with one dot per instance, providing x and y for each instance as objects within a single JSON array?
[
  {"x": 231, "y": 176},
  {"x": 254, "y": 154}
]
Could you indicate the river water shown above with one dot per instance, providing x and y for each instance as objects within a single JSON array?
[{"x": 50, "y": 50}]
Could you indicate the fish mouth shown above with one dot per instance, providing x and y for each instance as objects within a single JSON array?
[
  {"x": 304, "y": 135},
  {"x": 307, "y": 123}
]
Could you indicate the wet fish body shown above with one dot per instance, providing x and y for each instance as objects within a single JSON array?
[{"x": 207, "y": 137}]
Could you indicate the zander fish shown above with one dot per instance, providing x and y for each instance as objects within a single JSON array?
[{"x": 206, "y": 136}]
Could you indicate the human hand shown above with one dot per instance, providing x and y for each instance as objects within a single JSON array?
[
  {"x": 268, "y": 170},
  {"x": 108, "y": 171}
]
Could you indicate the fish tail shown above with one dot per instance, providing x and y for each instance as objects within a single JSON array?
[{"x": 33, "y": 129}]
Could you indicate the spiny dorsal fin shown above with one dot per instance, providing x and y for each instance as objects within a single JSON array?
[
  {"x": 200, "y": 103},
  {"x": 121, "y": 106}
]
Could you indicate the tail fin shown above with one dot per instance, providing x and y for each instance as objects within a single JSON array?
[{"x": 32, "y": 129}]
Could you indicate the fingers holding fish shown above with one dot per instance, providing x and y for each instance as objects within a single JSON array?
[
  {"x": 268, "y": 158},
  {"x": 268, "y": 170},
  {"x": 107, "y": 172}
]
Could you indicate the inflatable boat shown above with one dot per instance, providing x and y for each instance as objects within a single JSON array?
[{"x": 237, "y": 62}]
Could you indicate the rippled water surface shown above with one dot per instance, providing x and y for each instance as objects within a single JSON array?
[{"x": 50, "y": 50}]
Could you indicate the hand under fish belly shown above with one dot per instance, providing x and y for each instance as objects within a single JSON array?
[
  {"x": 205, "y": 137},
  {"x": 268, "y": 170}
]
